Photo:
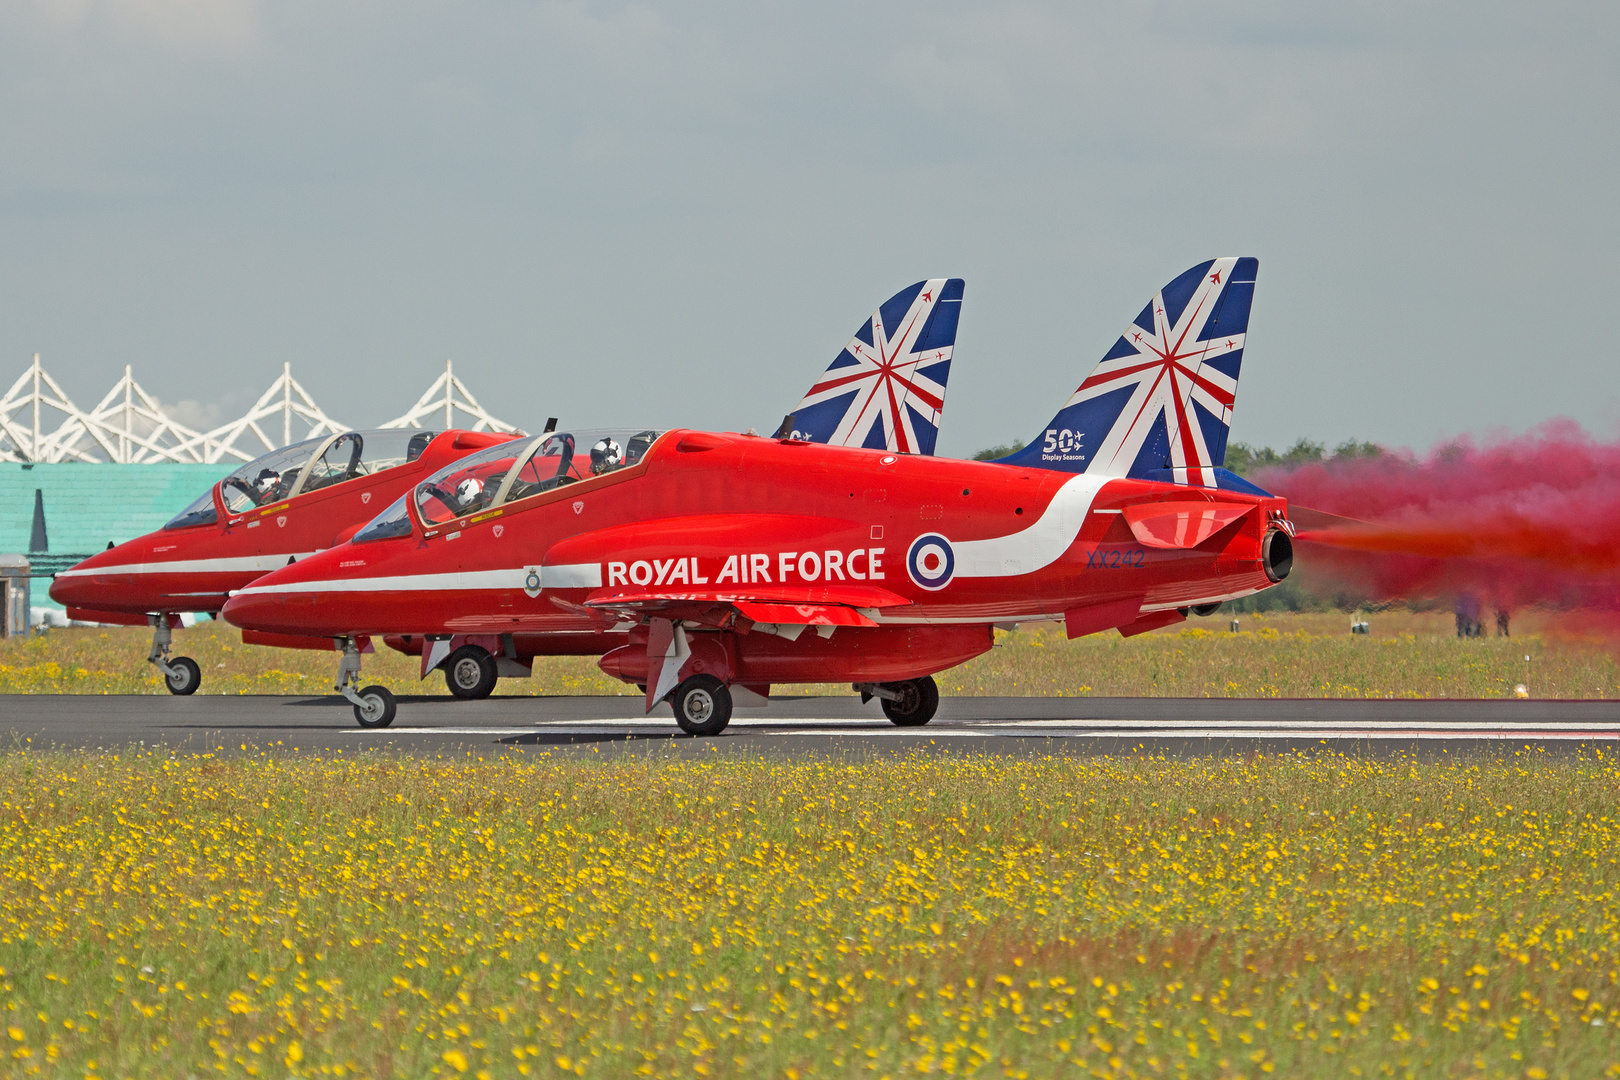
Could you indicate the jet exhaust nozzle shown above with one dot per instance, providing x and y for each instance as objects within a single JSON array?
[{"x": 1277, "y": 554}]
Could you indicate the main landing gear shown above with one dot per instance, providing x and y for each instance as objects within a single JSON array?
[
  {"x": 470, "y": 673},
  {"x": 180, "y": 674},
  {"x": 374, "y": 706},
  {"x": 911, "y": 703},
  {"x": 702, "y": 705}
]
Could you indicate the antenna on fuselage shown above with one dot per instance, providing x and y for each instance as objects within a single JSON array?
[
  {"x": 786, "y": 430},
  {"x": 551, "y": 425}
]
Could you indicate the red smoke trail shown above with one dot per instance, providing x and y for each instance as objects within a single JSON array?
[{"x": 1518, "y": 521}]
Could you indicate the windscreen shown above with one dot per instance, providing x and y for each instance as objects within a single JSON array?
[
  {"x": 394, "y": 521},
  {"x": 201, "y": 512}
]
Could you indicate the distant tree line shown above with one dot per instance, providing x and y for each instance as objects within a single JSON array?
[
  {"x": 1244, "y": 459},
  {"x": 990, "y": 452}
]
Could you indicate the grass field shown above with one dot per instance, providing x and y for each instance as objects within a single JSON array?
[
  {"x": 1293, "y": 917},
  {"x": 1279, "y": 655}
]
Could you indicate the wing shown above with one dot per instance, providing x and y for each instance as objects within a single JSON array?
[{"x": 807, "y": 605}]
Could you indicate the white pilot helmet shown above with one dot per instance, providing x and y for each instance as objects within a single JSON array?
[
  {"x": 468, "y": 490},
  {"x": 605, "y": 455}
]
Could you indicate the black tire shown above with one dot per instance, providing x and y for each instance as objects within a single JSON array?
[
  {"x": 469, "y": 672},
  {"x": 190, "y": 676},
  {"x": 1205, "y": 610},
  {"x": 919, "y": 701},
  {"x": 379, "y": 709},
  {"x": 702, "y": 705}
]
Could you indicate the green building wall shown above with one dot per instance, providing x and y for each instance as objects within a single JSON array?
[{"x": 88, "y": 505}]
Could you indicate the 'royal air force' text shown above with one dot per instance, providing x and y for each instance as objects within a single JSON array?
[{"x": 862, "y": 564}]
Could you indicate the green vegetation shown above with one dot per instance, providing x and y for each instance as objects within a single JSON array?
[
  {"x": 1085, "y": 917},
  {"x": 1244, "y": 459},
  {"x": 990, "y": 452}
]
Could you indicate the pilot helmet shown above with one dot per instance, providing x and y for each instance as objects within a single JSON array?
[
  {"x": 605, "y": 455},
  {"x": 468, "y": 490},
  {"x": 267, "y": 479}
]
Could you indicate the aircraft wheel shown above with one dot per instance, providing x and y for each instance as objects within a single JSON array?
[
  {"x": 469, "y": 672},
  {"x": 919, "y": 700},
  {"x": 376, "y": 708},
  {"x": 184, "y": 678},
  {"x": 1207, "y": 609},
  {"x": 702, "y": 705}
]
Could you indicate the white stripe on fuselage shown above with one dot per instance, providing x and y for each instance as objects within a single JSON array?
[
  {"x": 262, "y": 564},
  {"x": 571, "y": 576},
  {"x": 1038, "y": 546}
]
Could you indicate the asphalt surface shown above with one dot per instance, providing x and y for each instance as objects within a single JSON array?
[{"x": 836, "y": 726}]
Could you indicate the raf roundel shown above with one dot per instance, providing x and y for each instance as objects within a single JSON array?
[{"x": 931, "y": 562}]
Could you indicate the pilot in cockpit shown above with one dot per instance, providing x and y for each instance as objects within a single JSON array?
[
  {"x": 268, "y": 486},
  {"x": 468, "y": 494},
  {"x": 605, "y": 457}
]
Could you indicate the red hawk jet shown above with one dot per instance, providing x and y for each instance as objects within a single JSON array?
[
  {"x": 885, "y": 390},
  {"x": 285, "y": 506},
  {"x": 739, "y": 562}
]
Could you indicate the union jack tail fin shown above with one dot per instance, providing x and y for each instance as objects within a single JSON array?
[
  {"x": 886, "y": 389},
  {"x": 1159, "y": 405}
]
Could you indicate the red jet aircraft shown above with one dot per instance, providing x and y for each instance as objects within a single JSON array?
[
  {"x": 884, "y": 390},
  {"x": 886, "y": 387},
  {"x": 284, "y": 506},
  {"x": 742, "y": 562}
]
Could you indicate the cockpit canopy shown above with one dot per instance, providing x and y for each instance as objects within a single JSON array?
[
  {"x": 515, "y": 470},
  {"x": 316, "y": 463}
]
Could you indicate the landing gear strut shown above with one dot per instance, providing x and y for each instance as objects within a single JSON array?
[
  {"x": 374, "y": 706},
  {"x": 180, "y": 674},
  {"x": 911, "y": 703}
]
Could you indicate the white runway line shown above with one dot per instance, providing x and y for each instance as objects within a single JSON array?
[
  {"x": 1492, "y": 733},
  {"x": 1307, "y": 725},
  {"x": 1268, "y": 734}
]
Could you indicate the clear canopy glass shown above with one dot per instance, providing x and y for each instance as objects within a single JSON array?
[
  {"x": 267, "y": 479},
  {"x": 362, "y": 453},
  {"x": 317, "y": 463},
  {"x": 523, "y": 467}
]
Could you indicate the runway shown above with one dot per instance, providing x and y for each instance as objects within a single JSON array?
[{"x": 799, "y": 726}]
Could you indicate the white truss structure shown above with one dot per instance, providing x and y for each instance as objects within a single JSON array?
[
  {"x": 452, "y": 396},
  {"x": 40, "y": 423}
]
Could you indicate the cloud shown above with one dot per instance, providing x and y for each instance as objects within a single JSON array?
[{"x": 195, "y": 27}]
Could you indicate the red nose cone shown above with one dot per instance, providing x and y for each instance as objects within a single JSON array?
[
  {"x": 292, "y": 600},
  {"x": 75, "y": 590},
  {"x": 133, "y": 578}
]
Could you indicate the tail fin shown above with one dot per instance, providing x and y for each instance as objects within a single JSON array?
[
  {"x": 886, "y": 389},
  {"x": 1159, "y": 405}
]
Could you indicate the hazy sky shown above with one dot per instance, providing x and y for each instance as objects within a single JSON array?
[{"x": 677, "y": 213}]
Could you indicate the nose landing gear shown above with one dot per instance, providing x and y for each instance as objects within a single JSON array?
[
  {"x": 181, "y": 675},
  {"x": 374, "y": 706}
]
